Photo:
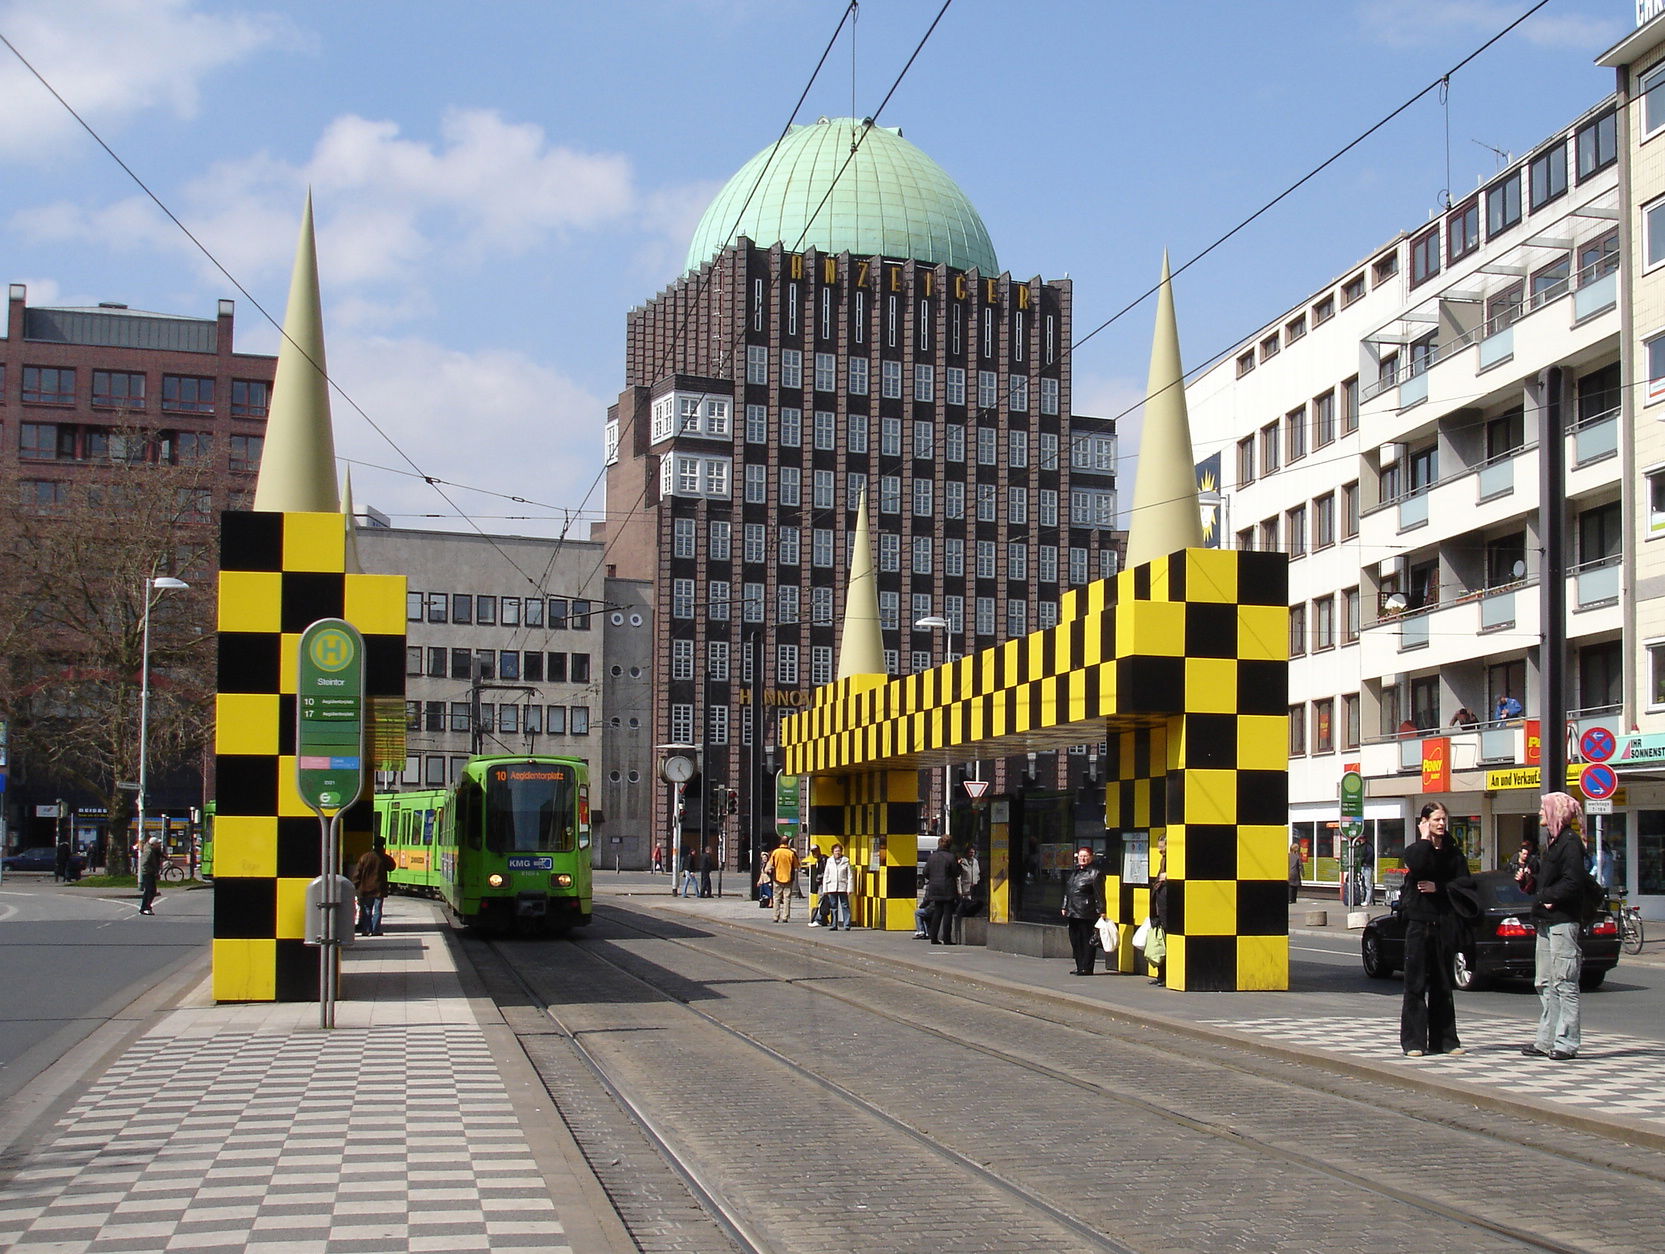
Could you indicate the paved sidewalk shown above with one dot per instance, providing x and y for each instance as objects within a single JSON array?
[{"x": 415, "y": 1124}]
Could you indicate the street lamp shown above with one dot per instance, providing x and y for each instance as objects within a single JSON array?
[
  {"x": 154, "y": 588},
  {"x": 934, "y": 622}
]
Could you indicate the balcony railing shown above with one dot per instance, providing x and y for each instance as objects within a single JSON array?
[
  {"x": 1596, "y": 437},
  {"x": 1597, "y": 582},
  {"x": 1596, "y": 287}
]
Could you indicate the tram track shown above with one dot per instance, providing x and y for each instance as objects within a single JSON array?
[{"x": 745, "y": 960}]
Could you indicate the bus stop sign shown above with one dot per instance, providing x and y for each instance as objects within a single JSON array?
[{"x": 329, "y": 716}]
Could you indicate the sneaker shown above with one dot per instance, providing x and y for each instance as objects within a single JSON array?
[
  {"x": 1413, "y": 1053},
  {"x": 1456, "y": 1053},
  {"x": 813, "y": 923}
]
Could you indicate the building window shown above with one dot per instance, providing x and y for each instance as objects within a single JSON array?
[
  {"x": 1269, "y": 448},
  {"x": 118, "y": 389},
  {"x": 791, "y": 369},
  {"x": 757, "y": 363},
  {"x": 187, "y": 394},
  {"x": 1323, "y": 310},
  {"x": 250, "y": 398},
  {"x": 1049, "y": 396},
  {"x": 988, "y": 389},
  {"x": 1323, "y": 623},
  {"x": 791, "y": 428},
  {"x": 924, "y": 382},
  {"x": 1352, "y": 290},
  {"x": 954, "y": 387},
  {"x": 1384, "y": 268},
  {"x": 1597, "y": 142},
  {"x": 1297, "y": 731},
  {"x": 757, "y": 484},
  {"x": 1502, "y": 205},
  {"x": 1269, "y": 347},
  {"x": 1350, "y": 721},
  {"x": 826, "y": 372},
  {"x": 859, "y": 372},
  {"x": 1295, "y": 328},
  {"x": 1019, "y": 389},
  {"x": 1295, "y": 433},
  {"x": 890, "y": 379},
  {"x": 1297, "y": 631},
  {"x": 1462, "y": 230},
  {"x": 1323, "y": 419},
  {"x": 682, "y": 598},
  {"x": 682, "y": 538},
  {"x": 826, "y": 430},
  {"x": 1425, "y": 256},
  {"x": 1652, "y": 90},
  {"x": 47, "y": 385},
  {"x": 1350, "y": 405},
  {"x": 1245, "y": 461},
  {"x": 1323, "y": 521},
  {"x": 1296, "y": 531},
  {"x": 1349, "y": 615},
  {"x": 1548, "y": 174},
  {"x": 1245, "y": 363},
  {"x": 246, "y": 451}
]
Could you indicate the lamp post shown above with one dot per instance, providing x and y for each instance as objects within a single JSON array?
[
  {"x": 154, "y": 588},
  {"x": 934, "y": 622}
]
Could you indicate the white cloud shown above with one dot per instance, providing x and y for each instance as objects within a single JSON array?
[
  {"x": 1423, "y": 23},
  {"x": 490, "y": 419},
  {"x": 115, "y": 60}
]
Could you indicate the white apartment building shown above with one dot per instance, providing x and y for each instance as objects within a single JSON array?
[{"x": 1388, "y": 434}]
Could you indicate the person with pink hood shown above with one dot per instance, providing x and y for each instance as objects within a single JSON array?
[{"x": 1556, "y": 913}]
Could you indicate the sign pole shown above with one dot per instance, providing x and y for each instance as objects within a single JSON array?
[{"x": 329, "y": 770}]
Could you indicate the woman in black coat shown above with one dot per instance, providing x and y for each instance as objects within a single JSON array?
[
  {"x": 1428, "y": 1017},
  {"x": 1083, "y": 907}
]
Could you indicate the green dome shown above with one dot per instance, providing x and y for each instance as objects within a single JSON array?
[{"x": 893, "y": 201}]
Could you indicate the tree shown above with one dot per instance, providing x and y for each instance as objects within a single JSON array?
[{"x": 76, "y": 565}]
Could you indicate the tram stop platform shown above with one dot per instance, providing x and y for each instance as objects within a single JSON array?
[{"x": 416, "y": 1123}]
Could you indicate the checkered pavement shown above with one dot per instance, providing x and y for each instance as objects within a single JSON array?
[
  {"x": 233, "y": 1128},
  {"x": 1614, "y": 1075}
]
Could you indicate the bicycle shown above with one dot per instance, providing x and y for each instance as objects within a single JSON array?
[
  {"x": 172, "y": 873},
  {"x": 1629, "y": 918}
]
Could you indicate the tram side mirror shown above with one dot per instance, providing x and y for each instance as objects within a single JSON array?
[{"x": 332, "y": 923}]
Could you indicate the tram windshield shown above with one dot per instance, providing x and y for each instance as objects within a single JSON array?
[{"x": 530, "y": 807}]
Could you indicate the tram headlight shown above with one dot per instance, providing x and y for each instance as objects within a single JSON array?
[
  {"x": 497, "y": 879},
  {"x": 563, "y": 880}
]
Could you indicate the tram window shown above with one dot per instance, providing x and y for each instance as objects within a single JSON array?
[{"x": 468, "y": 812}]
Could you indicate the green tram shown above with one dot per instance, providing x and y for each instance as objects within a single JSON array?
[{"x": 506, "y": 847}]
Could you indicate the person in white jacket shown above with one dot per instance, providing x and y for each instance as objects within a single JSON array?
[{"x": 838, "y": 881}]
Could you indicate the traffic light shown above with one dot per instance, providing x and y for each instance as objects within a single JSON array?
[{"x": 734, "y": 801}]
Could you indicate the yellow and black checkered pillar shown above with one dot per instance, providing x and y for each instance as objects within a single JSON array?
[
  {"x": 876, "y": 816},
  {"x": 279, "y": 573},
  {"x": 1218, "y": 638}
]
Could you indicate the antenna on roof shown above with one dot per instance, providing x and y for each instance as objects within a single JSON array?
[{"x": 1503, "y": 158}]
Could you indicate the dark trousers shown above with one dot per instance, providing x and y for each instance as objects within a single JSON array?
[
  {"x": 147, "y": 891},
  {"x": 1428, "y": 1018},
  {"x": 1081, "y": 944},
  {"x": 939, "y": 921}
]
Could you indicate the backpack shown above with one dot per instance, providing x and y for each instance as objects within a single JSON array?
[{"x": 1592, "y": 900}]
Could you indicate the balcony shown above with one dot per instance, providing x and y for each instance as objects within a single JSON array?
[{"x": 1596, "y": 583}]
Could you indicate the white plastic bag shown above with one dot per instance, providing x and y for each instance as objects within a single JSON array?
[
  {"x": 1108, "y": 935},
  {"x": 1141, "y": 934}
]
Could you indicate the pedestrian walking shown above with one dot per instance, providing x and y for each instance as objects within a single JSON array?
[
  {"x": 150, "y": 874},
  {"x": 369, "y": 877},
  {"x": 780, "y": 868},
  {"x": 1557, "y": 912},
  {"x": 1083, "y": 907},
  {"x": 942, "y": 876},
  {"x": 658, "y": 858},
  {"x": 838, "y": 881},
  {"x": 690, "y": 871},
  {"x": 1295, "y": 867},
  {"x": 1427, "y": 1016},
  {"x": 708, "y": 864},
  {"x": 60, "y": 866}
]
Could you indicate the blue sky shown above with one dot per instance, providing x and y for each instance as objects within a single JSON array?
[{"x": 497, "y": 185}]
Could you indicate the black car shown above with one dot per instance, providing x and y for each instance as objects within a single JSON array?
[
  {"x": 40, "y": 858},
  {"x": 1499, "y": 944}
]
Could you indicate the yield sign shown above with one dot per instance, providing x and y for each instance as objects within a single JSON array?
[{"x": 975, "y": 788}]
